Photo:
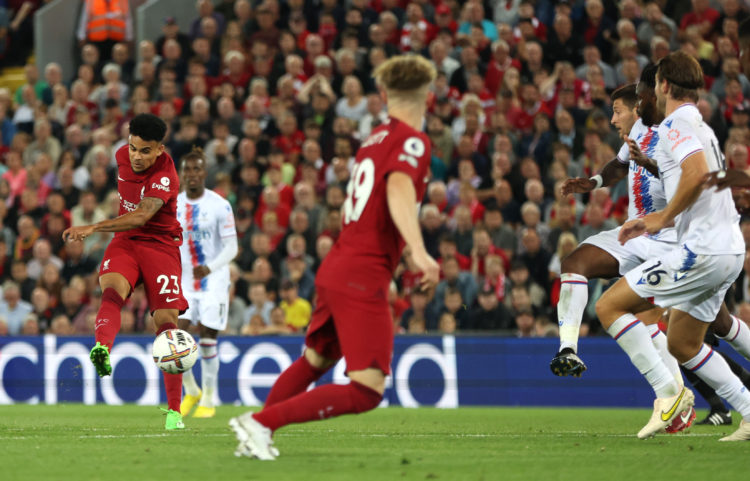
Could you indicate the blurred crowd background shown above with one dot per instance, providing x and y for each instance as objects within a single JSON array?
[{"x": 279, "y": 96}]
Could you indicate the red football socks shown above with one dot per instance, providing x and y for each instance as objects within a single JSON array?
[
  {"x": 293, "y": 381},
  {"x": 323, "y": 402},
  {"x": 108, "y": 318},
  {"x": 172, "y": 382}
]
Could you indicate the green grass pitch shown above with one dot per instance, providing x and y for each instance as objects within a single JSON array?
[{"x": 76, "y": 442}]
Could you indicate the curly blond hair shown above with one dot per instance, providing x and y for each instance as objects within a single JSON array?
[{"x": 405, "y": 74}]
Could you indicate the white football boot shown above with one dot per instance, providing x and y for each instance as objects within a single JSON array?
[
  {"x": 255, "y": 439},
  {"x": 665, "y": 411},
  {"x": 742, "y": 434}
]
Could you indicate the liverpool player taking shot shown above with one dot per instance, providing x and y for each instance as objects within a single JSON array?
[
  {"x": 351, "y": 318},
  {"x": 145, "y": 249}
]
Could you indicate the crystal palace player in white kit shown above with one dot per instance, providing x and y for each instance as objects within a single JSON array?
[
  {"x": 602, "y": 255},
  {"x": 693, "y": 279},
  {"x": 209, "y": 245}
]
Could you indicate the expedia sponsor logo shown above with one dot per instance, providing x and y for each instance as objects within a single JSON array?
[{"x": 165, "y": 188}]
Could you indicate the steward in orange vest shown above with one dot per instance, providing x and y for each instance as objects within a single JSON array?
[{"x": 107, "y": 20}]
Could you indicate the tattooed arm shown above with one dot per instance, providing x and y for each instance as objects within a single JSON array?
[{"x": 132, "y": 220}]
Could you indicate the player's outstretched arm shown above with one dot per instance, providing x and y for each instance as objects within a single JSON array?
[
  {"x": 132, "y": 220},
  {"x": 402, "y": 202},
  {"x": 612, "y": 172},
  {"x": 727, "y": 178}
]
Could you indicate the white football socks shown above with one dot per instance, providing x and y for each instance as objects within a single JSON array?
[
  {"x": 634, "y": 339},
  {"x": 574, "y": 295},
  {"x": 209, "y": 371},
  {"x": 714, "y": 371},
  {"x": 188, "y": 382},
  {"x": 659, "y": 340},
  {"x": 739, "y": 337}
]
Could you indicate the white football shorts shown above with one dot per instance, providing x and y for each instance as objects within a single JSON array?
[
  {"x": 692, "y": 283},
  {"x": 208, "y": 308},
  {"x": 634, "y": 252}
]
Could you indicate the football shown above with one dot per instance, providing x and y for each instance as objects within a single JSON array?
[{"x": 174, "y": 351}]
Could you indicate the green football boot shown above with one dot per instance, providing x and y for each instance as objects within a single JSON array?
[
  {"x": 100, "y": 357},
  {"x": 174, "y": 420}
]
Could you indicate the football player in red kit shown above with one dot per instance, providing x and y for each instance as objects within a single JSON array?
[
  {"x": 351, "y": 318},
  {"x": 145, "y": 248}
]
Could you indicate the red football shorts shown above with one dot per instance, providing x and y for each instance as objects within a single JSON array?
[
  {"x": 358, "y": 328},
  {"x": 152, "y": 263}
]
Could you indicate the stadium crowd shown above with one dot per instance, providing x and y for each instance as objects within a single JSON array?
[{"x": 279, "y": 96}]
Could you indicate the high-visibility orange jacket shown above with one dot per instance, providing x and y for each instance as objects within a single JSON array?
[{"x": 106, "y": 20}]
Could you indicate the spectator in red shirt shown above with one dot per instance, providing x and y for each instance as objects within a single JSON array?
[
  {"x": 482, "y": 248},
  {"x": 467, "y": 196},
  {"x": 531, "y": 105},
  {"x": 314, "y": 46},
  {"x": 448, "y": 249},
  {"x": 597, "y": 28},
  {"x": 527, "y": 20},
  {"x": 500, "y": 62},
  {"x": 476, "y": 87},
  {"x": 286, "y": 193},
  {"x": 389, "y": 22},
  {"x": 298, "y": 27},
  {"x": 168, "y": 94},
  {"x": 494, "y": 279},
  {"x": 271, "y": 202},
  {"x": 294, "y": 65},
  {"x": 235, "y": 73},
  {"x": 444, "y": 19},
  {"x": 290, "y": 138},
  {"x": 415, "y": 20},
  {"x": 79, "y": 99},
  {"x": 702, "y": 15},
  {"x": 55, "y": 207},
  {"x": 479, "y": 137}
]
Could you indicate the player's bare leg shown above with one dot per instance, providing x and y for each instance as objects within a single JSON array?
[
  {"x": 685, "y": 336},
  {"x": 165, "y": 319},
  {"x": 115, "y": 289},
  {"x": 615, "y": 311},
  {"x": 733, "y": 330},
  {"x": 584, "y": 263},
  {"x": 193, "y": 392}
]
